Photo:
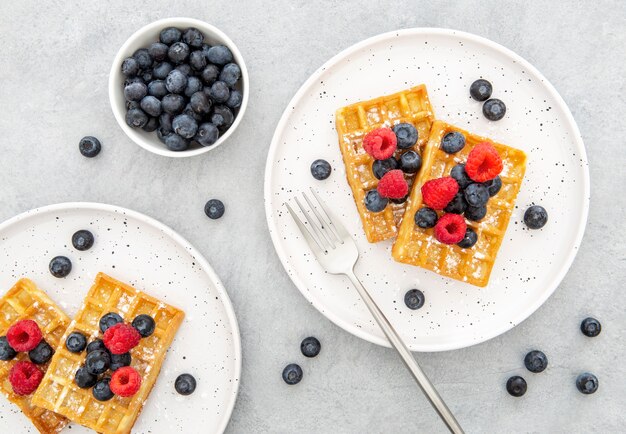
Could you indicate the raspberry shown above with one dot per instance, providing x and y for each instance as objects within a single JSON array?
[
  {"x": 437, "y": 193},
  {"x": 393, "y": 185},
  {"x": 483, "y": 163},
  {"x": 450, "y": 229},
  {"x": 25, "y": 378},
  {"x": 121, "y": 338},
  {"x": 24, "y": 335},
  {"x": 125, "y": 382},
  {"x": 380, "y": 143}
]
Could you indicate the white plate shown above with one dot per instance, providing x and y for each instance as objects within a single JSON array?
[
  {"x": 151, "y": 257},
  {"x": 530, "y": 264}
]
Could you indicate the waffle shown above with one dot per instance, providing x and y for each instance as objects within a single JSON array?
[
  {"x": 356, "y": 120},
  {"x": 59, "y": 393},
  {"x": 26, "y": 301},
  {"x": 419, "y": 247}
]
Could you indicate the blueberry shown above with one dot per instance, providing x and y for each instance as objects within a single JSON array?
[
  {"x": 178, "y": 52},
  {"x": 209, "y": 74},
  {"x": 380, "y": 167},
  {"x": 222, "y": 117},
  {"x": 194, "y": 84},
  {"x": 493, "y": 186},
  {"x": 292, "y": 374},
  {"x": 76, "y": 342},
  {"x": 151, "y": 105},
  {"x": 84, "y": 379},
  {"x": 480, "y": 90},
  {"x": 96, "y": 344},
  {"x": 457, "y": 205},
  {"x": 205, "y": 50},
  {"x": 310, "y": 347},
  {"x": 400, "y": 200},
  {"x": 214, "y": 209},
  {"x": 536, "y": 217},
  {"x": 200, "y": 103},
  {"x": 157, "y": 88},
  {"x": 185, "y": 126},
  {"x": 193, "y": 37},
  {"x": 132, "y": 105},
  {"x": 197, "y": 60},
  {"x": 131, "y": 80},
  {"x": 89, "y": 146},
  {"x": 587, "y": 383},
  {"x": 406, "y": 135},
  {"x": 219, "y": 92},
  {"x": 469, "y": 239},
  {"x": 165, "y": 123},
  {"x": 494, "y": 109},
  {"x": 219, "y": 55},
  {"x": 321, "y": 169},
  {"x": 147, "y": 76},
  {"x": 185, "y": 384},
  {"x": 475, "y": 213},
  {"x": 6, "y": 351},
  {"x": 414, "y": 299},
  {"x": 143, "y": 58},
  {"x": 161, "y": 70},
  {"x": 101, "y": 390},
  {"x": 476, "y": 195},
  {"x": 151, "y": 125},
  {"x": 162, "y": 134},
  {"x": 426, "y": 218},
  {"x": 60, "y": 266},
  {"x": 176, "y": 81},
  {"x": 130, "y": 67},
  {"x": 198, "y": 117},
  {"x": 410, "y": 162},
  {"x": 230, "y": 74},
  {"x": 82, "y": 240},
  {"x": 207, "y": 134},
  {"x": 590, "y": 327},
  {"x": 41, "y": 353},
  {"x": 374, "y": 202},
  {"x": 97, "y": 362},
  {"x": 516, "y": 386},
  {"x": 119, "y": 361},
  {"x": 185, "y": 68},
  {"x": 460, "y": 176},
  {"x": 176, "y": 143},
  {"x": 158, "y": 51},
  {"x": 109, "y": 320},
  {"x": 170, "y": 35},
  {"x": 172, "y": 104},
  {"x": 135, "y": 91},
  {"x": 144, "y": 325},
  {"x": 136, "y": 118},
  {"x": 453, "y": 142},
  {"x": 234, "y": 100},
  {"x": 536, "y": 361}
]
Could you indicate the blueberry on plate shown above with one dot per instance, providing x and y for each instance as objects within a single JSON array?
[
  {"x": 193, "y": 37},
  {"x": 493, "y": 186},
  {"x": 406, "y": 135},
  {"x": 214, "y": 209},
  {"x": 587, "y": 383},
  {"x": 96, "y": 344},
  {"x": 469, "y": 239},
  {"x": 101, "y": 390},
  {"x": 151, "y": 105},
  {"x": 97, "y": 362},
  {"x": 536, "y": 217},
  {"x": 219, "y": 55},
  {"x": 219, "y": 92},
  {"x": 207, "y": 134},
  {"x": 60, "y": 266},
  {"x": 516, "y": 386},
  {"x": 176, "y": 81},
  {"x": 457, "y": 205},
  {"x": 460, "y": 176},
  {"x": 414, "y": 299},
  {"x": 109, "y": 320},
  {"x": 130, "y": 67},
  {"x": 89, "y": 146},
  {"x": 160, "y": 71},
  {"x": 230, "y": 74},
  {"x": 158, "y": 51},
  {"x": 144, "y": 324},
  {"x": 380, "y": 167},
  {"x": 135, "y": 91},
  {"x": 6, "y": 351},
  {"x": 178, "y": 52},
  {"x": 410, "y": 162},
  {"x": 143, "y": 58},
  {"x": 84, "y": 379},
  {"x": 234, "y": 99},
  {"x": 475, "y": 213},
  {"x": 481, "y": 90},
  {"x": 536, "y": 361},
  {"x": 590, "y": 327},
  {"x": 41, "y": 354},
  {"x": 176, "y": 143},
  {"x": 136, "y": 118},
  {"x": 119, "y": 361},
  {"x": 310, "y": 347},
  {"x": 222, "y": 117},
  {"x": 292, "y": 374},
  {"x": 173, "y": 104},
  {"x": 194, "y": 84},
  {"x": 169, "y": 35},
  {"x": 453, "y": 142},
  {"x": 209, "y": 74},
  {"x": 76, "y": 342},
  {"x": 426, "y": 218},
  {"x": 321, "y": 169},
  {"x": 185, "y": 126},
  {"x": 197, "y": 60},
  {"x": 494, "y": 109},
  {"x": 476, "y": 194},
  {"x": 374, "y": 202},
  {"x": 185, "y": 384},
  {"x": 200, "y": 102}
]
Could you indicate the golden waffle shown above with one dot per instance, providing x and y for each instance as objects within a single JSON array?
[
  {"x": 59, "y": 393},
  {"x": 26, "y": 301},
  {"x": 418, "y": 246},
  {"x": 353, "y": 122}
]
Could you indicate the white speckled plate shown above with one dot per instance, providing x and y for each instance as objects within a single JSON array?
[
  {"x": 151, "y": 257},
  {"x": 530, "y": 264}
]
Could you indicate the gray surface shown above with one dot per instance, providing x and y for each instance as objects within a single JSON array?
[{"x": 54, "y": 63}]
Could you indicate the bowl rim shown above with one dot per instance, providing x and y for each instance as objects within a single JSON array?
[{"x": 124, "y": 52}]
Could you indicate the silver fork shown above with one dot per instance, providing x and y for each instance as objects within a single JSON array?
[{"x": 336, "y": 251}]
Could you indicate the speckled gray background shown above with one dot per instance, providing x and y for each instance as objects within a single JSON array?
[{"x": 54, "y": 64}]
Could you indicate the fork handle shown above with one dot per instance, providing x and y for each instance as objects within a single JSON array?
[{"x": 417, "y": 373}]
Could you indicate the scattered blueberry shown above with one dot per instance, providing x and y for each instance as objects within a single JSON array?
[
  {"x": 97, "y": 362},
  {"x": 60, "y": 266},
  {"x": 109, "y": 320},
  {"x": 151, "y": 105},
  {"x": 292, "y": 374},
  {"x": 197, "y": 60},
  {"x": 587, "y": 383},
  {"x": 590, "y": 327},
  {"x": 185, "y": 384},
  {"x": 234, "y": 100},
  {"x": 101, "y": 390},
  {"x": 310, "y": 347},
  {"x": 321, "y": 169},
  {"x": 158, "y": 51},
  {"x": 174, "y": 142},
  {"x": 89, "y": 146},
  {"x": 457, "y": 205},
  {"x": 494, "y": 109},
  {"x": 219, "y": 55},
  {"x": 41, "y": 353},
  {"x": 130, "y": 67},
  {"x": 469, "y": 239},
  {"x": 475, "y": 213},
  {"x": 476, "y": 195},
  {"x": 536, "y": 217},
  {"x": 176, "y": 81},
  {"x": 119, "y": 361},
  {"x": 414, "y": 299},
  {"x": 207, "y": 134},
  {"x": 84, "y": 379},
  {"x": 516, "y": 386},
  {"x": 493, "y": 186},
  {"x": 380, "y": 167},
  {"x": 173, "y": 104},
  {"x": 406, "y": 135},
  {"x": 144, "y": 324},
  {"x": 219, "y": 92},
  {"x": 481, "y": 90},
  {"x": 135, "y": 91},
  {"x": 460, "y": 176},
  {"x": 185, "y": 126},
  {"x": 214, "y": 209},
  {"x": 410, "y": 162},
  {"x": 136, "y": 118},
  {"x": 193, "y": 37},
  {"x": 178, "y": 52},
  {"x": 6, "y": 351},
  {"x": 426, "y": 218},
  {"x": 374, "y": 202},
  {"x": 76, "y": 342},
  {"x": 231, "y": 73},
  {"x": 453, "y": 142},
  {"x": 96, "y": 344},
  {"x": 536, "y": 361}
]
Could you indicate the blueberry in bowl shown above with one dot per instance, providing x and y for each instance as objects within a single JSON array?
[{"x": 174, "y": 67}]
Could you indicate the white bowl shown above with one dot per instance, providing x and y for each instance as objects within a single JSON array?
[{"x": 142, "y": 38}]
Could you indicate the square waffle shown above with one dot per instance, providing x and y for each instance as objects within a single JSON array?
[
  {"x": 26, "y": 301},
  {"x": 59, "y": 393},
  {"x": 353, "y": 122},
  {"x": 419, "y": 247}
]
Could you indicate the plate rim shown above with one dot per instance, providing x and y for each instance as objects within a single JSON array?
[
  {"x": 178, "y": 239},
  {"x": 434, "y": 31}
]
